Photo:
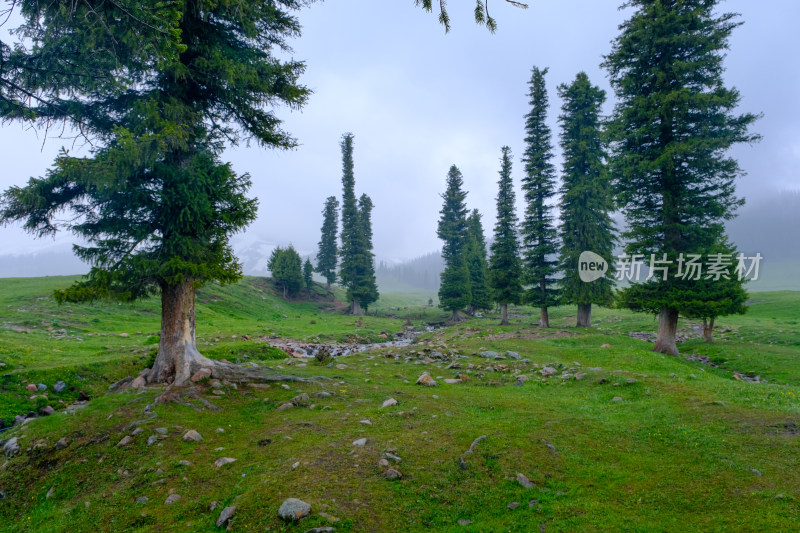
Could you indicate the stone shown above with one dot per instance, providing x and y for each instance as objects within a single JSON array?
[
  {"x": 293, "y": 509},
  {"x": 523, "y": 480},
  {"x": 616, "y": 399},
  {"x": 284, "y": 407},
  {"x": 136, "y": 432},
  {"x": 390, "y": 402},
  {"x": 392, "y": 474},
  {"x": 426, "y": 379},
  {"x": 464, "y": 522},
  {"x": 365, "y": 422},
  {"x": 184, "y": 462},
  {"x": 172, "y": 498},
  {"x": 489, "y": 354},
  {"x": 513, "y": 505},
  {"x": 451, "y": 381},
  {"x": 50, "y": 493},
  {"x": 326, "y": 529},
  {"x": 548, "y": 371},
  {"x": 138, "y": 383},
  {"x": 61, "y": 443},
  {"x": 59, "y": 386},
  {"x": 513, "y": 355},
  {"x": 124, "y": 335},
  {"x": 127, "y": 439},
  {"x": 322, "y": 394},
  {"x": 360, "y": 442},
  {"x": 383, "y": 463},
  {"x": 152, "y": 439},
  {"x": 203, "y": 373},
  {"x": 142, "y": 499},
  {"x": 48, "y": 410},
  {"x": 192, "y": 436},
  {"x": 161, "y": 431},
  {"x": 226, "y": 515},
  {"x": 301, "y": 400},
  {"x": 222, "y": 461},
  {"x": 393, "y": 457},
  {"x": 41, "y": 387},
  {"x": 606, "y": 346},
  {"x": 219, "y": 430},
  {"x": 521, "y": 379},
  {"x": 31, "y": 387}
]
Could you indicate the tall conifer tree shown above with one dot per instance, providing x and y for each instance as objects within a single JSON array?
[
  {"x": 477, "y": 264},
  {"x": 585, "y": 196},
  {"x": 539, "y": 242},
  {"x": 454, "y": 291},
  {"x": 328, "y": 251},
  {"x": 673, "y": 124},
  {"x": 367, "y": 291},
  {"x": 504, "y": 262}
]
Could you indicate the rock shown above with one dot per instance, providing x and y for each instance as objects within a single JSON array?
[
  {"x": 142, "y": 499},
  {"x": 548, "y": 371},
  {"x": 219, "y": 430},
  {"x": 61, "y": 444},
  {"x": 127, "y": 439},
  {"x": 50, "y": 493},
  {"x": 606, "y": 346},
  {"x": 393, "y": 457},
  {"x": 203, "y": 373},
  {"x": 30, "y": 387},
  {"x": 226, "y": 515},
  {"x": 390, "y": 402},
  {"x": 294, "y": 509},
  {"x": 222, "y": 461},
  {"x": 360, "y": 442},
  {"x": 59, "y": 386},
  {"x": 172, "y": 498},
  {"x": 489, "y": 354},
  {"x": 513, "y": 355},
  {"x": 184, "y": 462},
  {"x": 451, "y": 381},
  {"x": 326, "y": 529},
  {"x": 41, "y": 387},
  {"x": 161, "y": 431},
  {"x": 152, "y": 439},
  {"x": 138, "y": 383},
  {"x": 301, "y": 400},
  {"x": 392, "y": 474},
  {"x": 616, "y": 399},
  {"x": 513, "y": 505},
  {"x": 365, "y": 422},
  {"x": 523, "y": 480},
  {"x": 192, "y": 436},
  {"x": 521, "y": 379},
  {"x": 756, "y": 472},
  {"x": 136, "y": 432},
  {"x": 322, "y": 394},
  {"x": 48, "y": 410},
  {"x": 426, "y": 379},
  {"x": 464, "y": 522},
  {"x": 383, "y": 463},
  {"x": 284, "y": 407}
]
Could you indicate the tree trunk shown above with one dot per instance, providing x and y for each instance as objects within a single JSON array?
[
  {"x": 708, "y": 330},
  {"x": 355, "y": 308},
  {"x": 177, "y": 357},
  {"x": 328, "y": 285},
  {"x": 454, "y": 317},
  {"x": 667, "y": 328},
  {"x": 584, "y": 316},
  {"x": 544, "y": 318},
  {"x": 504, "y": 315}
]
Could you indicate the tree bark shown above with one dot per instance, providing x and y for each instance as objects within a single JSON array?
[
  {"x": 454, "y": 317},
  {"x": 504, "y": 315},
  {"x": 328, "y": 285},
  {"x": 178, "y": 357},
  {"x": 544, "y": 318},
  {"x": 584, "y": 316},
  {"x": 708, "y": 330},
  {"x": 355, "y": 308},
  {"x": 667, "y": 328}
]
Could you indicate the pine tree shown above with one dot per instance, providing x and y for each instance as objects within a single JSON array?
[
  {"x": 477, "y": 264},
  {"x": 367, "y": 292},
  {"x": 585, "y": 196},
  {"x": 153, "y": 201},
  {"x": 672, "y": 125},
  {"x": 454, "y": 290},
  {"x": 539, "y": 243},
  {"x": 504, "y": 263},
  {"x": 308, "y": 275},
  {"x": 328, "y": 251},
  {"x": 286, "y": 268}
]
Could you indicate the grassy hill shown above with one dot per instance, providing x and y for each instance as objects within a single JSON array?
[{"x": 616, "y": 439}]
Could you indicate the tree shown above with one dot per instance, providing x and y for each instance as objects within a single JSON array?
[
  {"x": 672, "y": 125},
  {"x": 308, "y": 272},
  {"x": 153, "y": 201},
  {"x": 475, "y": 253},
  {"x": 454, "y": 290},
  {"x": 539, "y": 243},
  {"x": 585, "y": 196},
  {"x": 504, "y": 262},
  {"x": 327, "y": 255},
  {"x": 480, "y": 12},
  {"x": 367, "y": 291},
  {"x": 286, "y": 267}
]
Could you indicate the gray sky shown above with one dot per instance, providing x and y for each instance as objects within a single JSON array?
[{"x": 418, "y": 100}]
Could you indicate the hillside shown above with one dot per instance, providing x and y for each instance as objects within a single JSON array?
[{"x": 608, "y": 435}]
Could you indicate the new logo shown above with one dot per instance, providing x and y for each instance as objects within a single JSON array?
[{"x": 591, "y": 267}]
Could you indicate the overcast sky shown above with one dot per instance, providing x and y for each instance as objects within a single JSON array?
[{"x": 418, "y": 100}]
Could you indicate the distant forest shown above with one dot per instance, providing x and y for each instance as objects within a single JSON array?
[{"x": 420, "y": 273}]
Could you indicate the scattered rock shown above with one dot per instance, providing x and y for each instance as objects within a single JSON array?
[
  {"x": 513, "y": 505},
  {"x": 513, "y": 355},
  {"x": 390, "y": 402},
  {"x": 172, "y": 498},
  {"x": 393, "y": 457},
  {"x": 392, "y": 474},
  {"x": 294, "y": 509},
  {"x": 61, "y": 443},
  {"x": 322, "y": 394},
  {"x": 203, "y": 373},
  {"x": 284, "y": 406},
  {"x": 383, "y": 463},
  {"x": 523, "y": 480},
  {"x": 489, "y": 354},
  {"x": 616, "y": 399},
  {"x": 222, "y": 461},
  {"x": 301, "y": 400},
  {"x": 152, "y": 439},
  {"x": 360, "y": 442},
  {"x": 226, "y": 515},
  {"x": 426, "y": 379},
  {"x": 59, "y": 386},
  {"x": 464, "y": 522},
  {"x": 127, "y": 439},
  {"x": 192, "y": 436},
  {"x": 31, "y": 387},
  {"x": 365, "y": 422},
  {"x": 41, "y": 387},
  {"x": 606, "y": 346},
  {"x": 48, "y": 410},
  {"x": 548, "y": 371},
  {"x": 325, "y": 529},
  {"x": 756, "y": 472},
  {"x": 184, "y": 462},
  {"x": 138, "y": 383},
  {"x": 161, "y": 431},
  {"x": 142, "y": 499},
  {"x": 50, "y": 493},
  {"x": 521, "y": 379}
]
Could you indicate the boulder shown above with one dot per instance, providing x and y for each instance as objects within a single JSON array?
[
  {"x": 226, "y": 515},
  {"x": 293, "y": 509},
  {"x": 192, "y": 436},
  {"x": 426, "y": 379}
]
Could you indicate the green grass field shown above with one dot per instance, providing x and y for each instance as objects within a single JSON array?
[{"x": 641, "y": 442}]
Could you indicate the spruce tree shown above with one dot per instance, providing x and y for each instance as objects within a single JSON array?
[
  {"x": 367, "y": 291},
  {"x": 539, "y": 237},
  {"x": 308, "y": 275},
  {"x": 153, "y": 201},
  {"x": 286, "y": 268},
  {"x": 504, "y": 262},
  {"x": 672, "y": 126},
  {"x": 477, "y": 264},
  {"x": 454, "y": 290},
  {"x": 585, "y": 196},
  {"x": 328, "y": 251}
]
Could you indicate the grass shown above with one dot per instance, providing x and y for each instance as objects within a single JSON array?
[{"x": 688, "y": 448}]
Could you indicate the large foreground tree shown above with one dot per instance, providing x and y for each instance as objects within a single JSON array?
[
  {"x": 153, "y": 201},
  {"x": 585, "y": 196},
  {"x": 673, "y": 124}
]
